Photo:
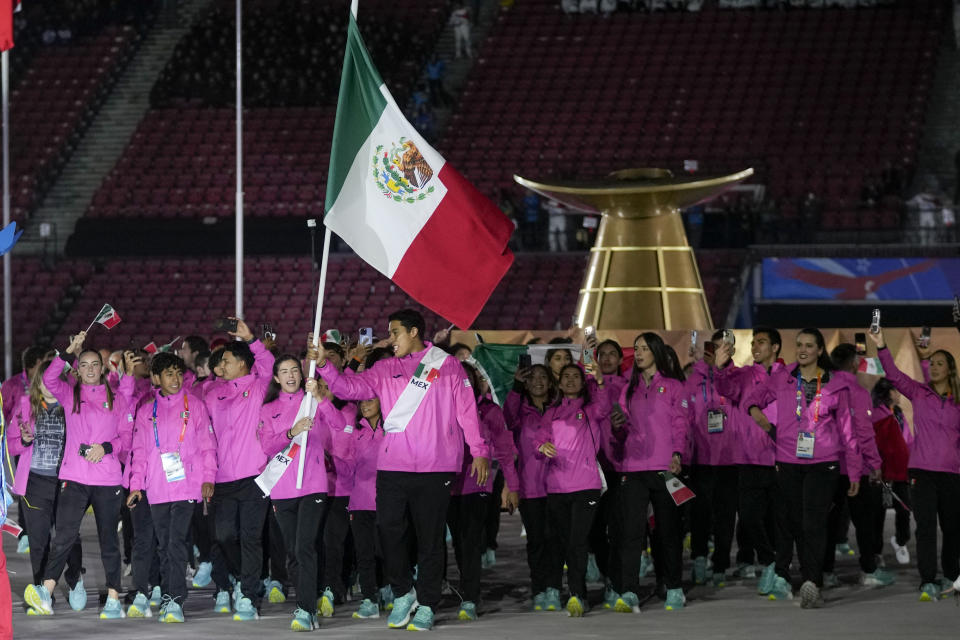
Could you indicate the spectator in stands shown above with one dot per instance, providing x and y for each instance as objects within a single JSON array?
[
  {"x": 436, "y": 71},
  {"x": 570, "y": 6},
  {"x": 460, "y": 20},
  {"x": 97, "y": 432},
  {"x": 530, "y": 228},
  {"x": 557, "y": 230},
  {"x": 810, "y": 211},
  {"x": 934, "y": 464}
]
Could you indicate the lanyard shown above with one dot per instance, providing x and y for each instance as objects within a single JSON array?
[
  {"x": 185, "y": 415},
  {"x": 800, "y": 398}
]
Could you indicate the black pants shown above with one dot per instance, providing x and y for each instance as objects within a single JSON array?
[
  {"x": 301, "y": 521},
  {"x": 807, "y": 491},
  {"x": 491, "y": 525},
  {"x": 334, "y": 542},
  {"x": 466, "y": 516},
  {"x": 571, "y": 517},
  {"x": 239, "y": 511},
  {"x": 127, "y": 530},
  {"x": 71, "y": 505},
  {"x": 205, "y": 526},
  {"x": 759, "y": 503},
  {"x": 201, "y": 534},
  {"x": 171, "y": 521},
  {"x": 146, "y": 551},
  {"x": 545, "y": 569},
  {"x": 363, "y": 525},
  {"x": 936, "y": 495},
  {"x": 40, "y": 516},
  {"x": 901, "y": 519},
  {"x": 714, "y": 512},
  {"x": 862, "y": 509},
  {"x": 275, "y": 555},
  {"x": 605, "y": 533},
  {"x": 417, "y": 501},
  {"x": 637, "y": 490}
]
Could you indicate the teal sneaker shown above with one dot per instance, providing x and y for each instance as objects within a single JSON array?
[
  {"x": 627, "y": 603},
  {"x": 780, "y": 590},
  {"x": 245, "y": 611},
  {"x": 719, "y": 579},
  {"x": 488, "y": 559},
  {"x": 646, "y": 565},
  {"x": 843, "y": 549},
  {"x": 468, "y": 611},
  {"x": 156, "y": 597},
  {"x": 172, "y": 612},
  {"x": 675, "y": 600},
  {"x": 552, "y": 599},
  {"x": 610, "y": 597},
  {"x": 368, "y": 609},
  {"x": 538, "y": 601},
  {"x": 386, "y": 598},
  {"x": 879, "y": 578},
  {"x": 423, "y": 621},
  {"x": 37, "y": 596},
  {"x": 767, "y": 578},
  {"x": 403, "y": 610},
  {"x": 929, "y": 592},
  {"x": 23, "y": 544},
  {"x": 140, "y": 607},
  {"x": 325, "y": 607},
  {"x": 303, "y": 621},
  {"x": 274, "y": 591},
  {"x": 700, "y": 570},
  {"x": 222, "y": 604},
  {"x": 576, "y": 607},
  {"x": 830, "y": 580},
  {"x": 112, "y": 610},
  {"x": 77, "y": 597},
  {"x": 237, "y": 594},
  {"x": 593, "y": 571},
  {"x": 203, "y": 576}
]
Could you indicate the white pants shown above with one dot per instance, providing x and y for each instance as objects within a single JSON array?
[{"x": 461, "y": 39}]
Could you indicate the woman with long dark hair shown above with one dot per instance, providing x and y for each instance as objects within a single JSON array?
[
  {"x": 570, "y": 440},
  {"x": 538, "y": 393},
  {"x": 813, "y": 430},
  {"x": 652, "y": 434},
  {"x": 934, "y": 465},
  {"x": 90, "y": 472},
  {"x": 300, "y": 511}
]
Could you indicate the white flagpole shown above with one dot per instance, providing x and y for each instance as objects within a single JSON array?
[
  {"x": 308, "y": 403},
  {"x": 7, "y": 292},
  {"x": 238, "y": 240}
]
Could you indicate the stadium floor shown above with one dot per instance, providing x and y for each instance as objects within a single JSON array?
[{"x": 734, "y": 612}]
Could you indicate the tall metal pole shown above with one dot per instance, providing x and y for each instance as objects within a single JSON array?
[
  {"x": 238, "y": 311},
  {"x": 7, "y": 292}
]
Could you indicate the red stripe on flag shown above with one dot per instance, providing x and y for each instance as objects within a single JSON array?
[{"x": 460, "y": 255}]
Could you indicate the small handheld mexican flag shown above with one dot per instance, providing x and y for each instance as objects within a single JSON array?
[
  {"x": 108, "y": 317},
  {"x": 871, "y": 366}
]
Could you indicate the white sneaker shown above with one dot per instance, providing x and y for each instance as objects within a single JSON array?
[{"x": 902, "y": 553}]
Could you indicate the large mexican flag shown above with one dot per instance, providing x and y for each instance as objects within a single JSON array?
[
  {"x": 498, "y": 362},
  {"x": 401, "y": 207}
]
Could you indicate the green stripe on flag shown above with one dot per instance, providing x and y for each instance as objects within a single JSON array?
[
  {"x": 359, "y": 106},
  {"x": 499, "y": 362}
]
